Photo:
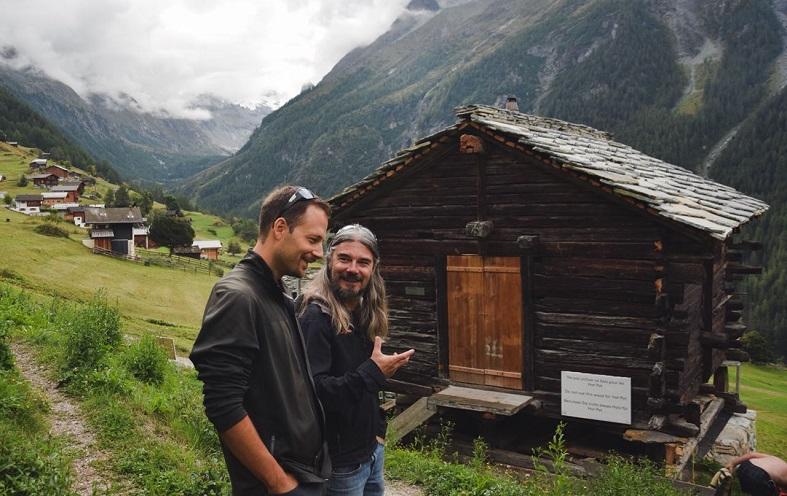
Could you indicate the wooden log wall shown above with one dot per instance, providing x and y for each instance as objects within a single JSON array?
[{"x": 613, "y": 291}]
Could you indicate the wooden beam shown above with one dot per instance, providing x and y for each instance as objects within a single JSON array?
[
  {"x": 441, "y": 288},
  {"x": 404, "y": 387},
  {"x": 678, "y": 470},
  {"x": 528, "y": 323},
  {"x": 418, "y": 413}
]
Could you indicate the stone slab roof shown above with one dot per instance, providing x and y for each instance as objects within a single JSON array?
[
  {"x": 665, "y": 189},
  {"x": 130, "y": 215}
]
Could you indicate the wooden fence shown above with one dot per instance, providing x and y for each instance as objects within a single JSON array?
[{"x": 149, "y": 257}]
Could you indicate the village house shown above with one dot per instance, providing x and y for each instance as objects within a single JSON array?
[
  {"x": 28, "y": 204},
  {"x": 58, "y": 170},
  {"x": 208, "y": 249},
  {"x": 44, "y": 180},
  {"x": 72, "y": 191},
  {"x": 51, "y": 198},
  {"x": 38, "y": 163},
  {"x": 79, "y": 183},
  {"x": 116, "y": 229},
  {"x": 75, "y": 214},
  {"x": 540, "y": 259}
]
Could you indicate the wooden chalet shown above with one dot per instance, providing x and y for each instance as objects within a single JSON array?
[
  {"x": 51, "y": 198},
  {"x": 59, "y": 171},
  {"x": 43, "y": 180},
  {"x": 521, "y": 252},
  {"x": 28, "y": 203},
  {"x": 208, "y": 249},
  {"x": 37, "y": 163},
  {"x": 72, "y": 191},
  {"x": 75, "y": 181},
  {"x": 75, "y": 214},
  {"x": 116, "y": 229}
]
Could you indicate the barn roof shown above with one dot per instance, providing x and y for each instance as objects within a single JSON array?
[
  {"x": 65, "y": 187},
  {"x": 27, "y": 198},
  {"x": 207, "y": 244},
  {"x": 130, "y": 215},
  {"x": 666, "y": 190}
]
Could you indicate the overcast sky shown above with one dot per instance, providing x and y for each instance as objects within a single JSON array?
[{"x": 165, "y": 53}]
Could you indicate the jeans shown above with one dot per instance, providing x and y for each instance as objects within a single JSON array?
[{"x": 365, "y": 479}]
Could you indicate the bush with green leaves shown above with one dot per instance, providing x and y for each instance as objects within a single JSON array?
[
  {"x": 146, "y": 360},
  {"x": 49, "y": 229},
  {"x": 759, "y": 347},
  {"x": 90, "y": 332},
  {"x": 6, "y": 358}
]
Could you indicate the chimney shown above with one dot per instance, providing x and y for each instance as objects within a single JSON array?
[{"x": 511, "y": 104}]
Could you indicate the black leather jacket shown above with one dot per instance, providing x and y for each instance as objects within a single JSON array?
[{"x": 251, "y": 358}]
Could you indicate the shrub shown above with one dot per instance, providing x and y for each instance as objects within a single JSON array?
[
  {"x": 759, "y": 348},
  {"x": 233, "y": 247},
  {"x": 146, "y": 360},
  {"x": 6, "y": 358},
  {"x": 90, "y": 331},
  {"x": 51, "y": 230}
]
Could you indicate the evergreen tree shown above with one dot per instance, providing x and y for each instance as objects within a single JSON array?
[
  {"x": 122, "y": 198},
  {"x": 109, "y": 198}
]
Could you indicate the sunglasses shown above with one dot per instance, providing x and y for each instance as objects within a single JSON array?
[{"x": 301, "y": 194}]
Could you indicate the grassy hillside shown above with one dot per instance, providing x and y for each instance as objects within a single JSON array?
[
  {"x": 160, "y": 300},
  {"x": 764, "y": 388}
]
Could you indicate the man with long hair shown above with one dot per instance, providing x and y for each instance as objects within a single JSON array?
[
  {"x": 344, "y": 317},
  {"x": 251, "y": 357}
]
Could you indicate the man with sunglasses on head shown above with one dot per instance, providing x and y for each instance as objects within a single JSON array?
[
  {"x": 251, "y": 357},
  {"x": 344, "y": 317}
]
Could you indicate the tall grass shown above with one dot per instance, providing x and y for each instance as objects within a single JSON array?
[{"x": 442, "y": 474}]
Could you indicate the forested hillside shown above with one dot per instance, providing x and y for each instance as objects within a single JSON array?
[
  {"x": 20, "y": 123},
  {"x": 756, "y": 162},
  {"x": 143, "y": 147},
  {"x": 671, "y": 78}
]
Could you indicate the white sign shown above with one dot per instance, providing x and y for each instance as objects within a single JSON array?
[{"x": 597, "y": 397}]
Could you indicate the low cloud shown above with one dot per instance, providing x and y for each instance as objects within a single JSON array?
[{"x": 164, "y": 55}]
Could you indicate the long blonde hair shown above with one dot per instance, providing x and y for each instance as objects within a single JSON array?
[{"x": 373, "y": 307}]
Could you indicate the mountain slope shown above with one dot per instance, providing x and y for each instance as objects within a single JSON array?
[
  {"x": 669, "y": 77},
  {"x": 140, "y": 145},
  {"x": 20, "y": 123},
  {"x": 756, "y": 162}
]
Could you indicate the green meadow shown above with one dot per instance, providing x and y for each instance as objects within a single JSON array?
[
  {"x": 764, "y": 389},
  {"x": 161, "y": 300}
]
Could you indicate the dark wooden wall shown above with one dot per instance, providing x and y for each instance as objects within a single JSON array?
[{"x": 607, "y": 281}]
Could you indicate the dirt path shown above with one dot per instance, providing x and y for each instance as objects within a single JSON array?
[
  {"x": 398, "y": 488},
  {"x": 67, "y": 421}
]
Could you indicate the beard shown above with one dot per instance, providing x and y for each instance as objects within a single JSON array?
[{"x": 344, "y": 294}]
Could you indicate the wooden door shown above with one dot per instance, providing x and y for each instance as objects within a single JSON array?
[{"x": 484, "y": 320}]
